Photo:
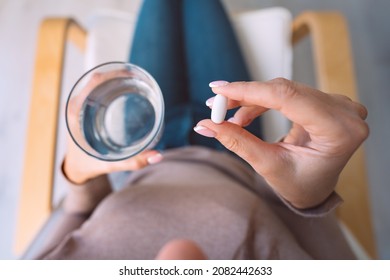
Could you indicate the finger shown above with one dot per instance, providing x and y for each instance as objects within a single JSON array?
[
  {"x": 137, "y": 162},
  {"x": 245, "y": 115},
  {"x": 300, "y": 104},
  {"x": 297, "y": 136},
  {"x": 354, "y": 106},
  {"x": 231, "y": 103},
  {"x": 262, "y": 156},
  {"x": 361, "y": 109}
]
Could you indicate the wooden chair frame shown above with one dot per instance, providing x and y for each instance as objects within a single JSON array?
[{"x": 334, "y": 68}]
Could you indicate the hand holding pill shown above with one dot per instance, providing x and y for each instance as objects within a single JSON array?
[{"x": 304, "y": 167}]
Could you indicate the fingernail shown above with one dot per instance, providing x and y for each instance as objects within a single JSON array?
[
  {"x": 204, "y": 131},
  {"x": 154, "y": 158},
  {"x": 210, "y": 101},
  {"x": 218, "y": 84}
]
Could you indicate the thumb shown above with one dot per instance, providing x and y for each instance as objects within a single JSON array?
[{"x": 259, "y": 154}]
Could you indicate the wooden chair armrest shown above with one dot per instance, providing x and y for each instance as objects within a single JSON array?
[
  {"x": 335, "y": 74},
  {"x": 35, "y": 203}
]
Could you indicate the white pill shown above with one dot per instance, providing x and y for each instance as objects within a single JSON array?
[{"x": 218, "y": 111}]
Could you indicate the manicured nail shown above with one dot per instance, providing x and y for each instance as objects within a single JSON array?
[
  {"x": 204, "y": 131},
  {"x": 218, "y": 84},
  {"x": 210, "y": 101},
  {"x": 154, "y": 158}
]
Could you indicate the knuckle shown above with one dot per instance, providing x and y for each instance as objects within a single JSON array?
[
  {"x": 285, "y": 88},
  {"x": 362, "y": 130},
  {"x": 362, "y": 111},
  {"x": 280, "y": 80},
  {"x": 352, "y": 135},
  {"x": 348, "y": 103},
  {"x": 231, "y": 143},
  {"x": 283, "y": 84}
]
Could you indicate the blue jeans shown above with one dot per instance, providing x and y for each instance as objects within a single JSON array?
[{"x": 184, "y": 45}]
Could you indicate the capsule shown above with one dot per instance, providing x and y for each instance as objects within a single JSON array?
[{"x": 219, "y": 109}]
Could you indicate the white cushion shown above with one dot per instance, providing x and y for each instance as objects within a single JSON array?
[{"x": 265, "y": 40}]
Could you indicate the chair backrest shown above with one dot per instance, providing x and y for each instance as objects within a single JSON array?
[
  {"x": 335, "y": 74},
  {"x": 265, "y": 39},
  {"x": 103, "y": 45}
]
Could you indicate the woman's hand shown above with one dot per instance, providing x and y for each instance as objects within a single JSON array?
[
  {"x": 304, "y": 167},
  {"x": 80, "y": 167}
]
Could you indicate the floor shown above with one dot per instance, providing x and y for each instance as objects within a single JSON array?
[{"x": 19, "y": 21}]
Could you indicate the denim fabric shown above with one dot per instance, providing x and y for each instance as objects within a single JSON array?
[{"x": 185, "y": 44}]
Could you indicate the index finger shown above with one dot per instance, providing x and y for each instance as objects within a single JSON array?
[{"x": 300, "y": 104}]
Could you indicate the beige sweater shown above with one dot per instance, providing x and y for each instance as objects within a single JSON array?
[{"x": 209, "y": 197}]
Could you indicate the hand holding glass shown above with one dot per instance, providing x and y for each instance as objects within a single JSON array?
[{"x": 115, "y": 111}]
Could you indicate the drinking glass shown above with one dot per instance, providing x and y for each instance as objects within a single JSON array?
[{"x": 115, "y": 111}]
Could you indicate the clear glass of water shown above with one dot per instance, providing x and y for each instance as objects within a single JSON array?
[{"x": 115, "y": 111}]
